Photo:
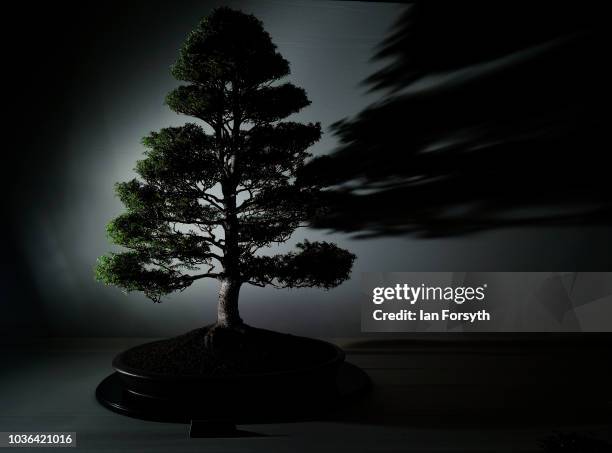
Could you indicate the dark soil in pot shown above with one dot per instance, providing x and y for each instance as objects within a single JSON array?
[{"x": 211, "y": 352}]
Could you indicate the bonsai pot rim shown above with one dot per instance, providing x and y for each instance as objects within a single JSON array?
[{"x": 126, "y": 370}]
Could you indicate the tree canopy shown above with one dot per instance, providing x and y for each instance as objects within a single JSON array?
[{"x": 214, "y": 192}]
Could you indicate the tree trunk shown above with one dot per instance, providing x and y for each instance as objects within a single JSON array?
[{"x": 227, "y": 310}]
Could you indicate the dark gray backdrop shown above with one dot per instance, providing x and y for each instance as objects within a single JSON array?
[{"x": 90, "y": 82}]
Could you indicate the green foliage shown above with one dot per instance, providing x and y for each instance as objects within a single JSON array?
[
  {"x": 179, "y": 156},
  {"x": 202, "y": 102},
  {"x": 277, "y": 151},
  {"x": 157, "y": 240},
  {"x": 128, "y": 271},
  {"x": 272, "y": 103},
  {"x": 227, "y": 46},
  {"x": 213, "y": 199},
  {"x": 319, "y": 264}
]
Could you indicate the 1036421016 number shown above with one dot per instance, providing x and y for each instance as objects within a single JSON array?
[{"x": 42, "y": 439}]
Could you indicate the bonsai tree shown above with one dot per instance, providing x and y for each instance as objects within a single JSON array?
[{"x": 212, "y": 194}]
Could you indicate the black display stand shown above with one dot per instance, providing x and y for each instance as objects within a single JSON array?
[{"x": 211, "y": 429}]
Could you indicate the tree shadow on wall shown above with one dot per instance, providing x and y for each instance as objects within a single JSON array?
[{"x": 490, "y": 115}]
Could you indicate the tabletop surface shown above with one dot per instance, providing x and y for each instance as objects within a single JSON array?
[{"x": 441, "y": 396}]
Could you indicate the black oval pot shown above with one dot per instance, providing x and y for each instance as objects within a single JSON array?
[{"x": 261, "y": 388}]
